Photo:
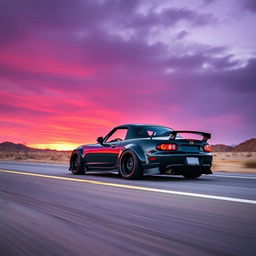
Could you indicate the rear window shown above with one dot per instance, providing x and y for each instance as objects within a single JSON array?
[{"x": 153, "y": 131}]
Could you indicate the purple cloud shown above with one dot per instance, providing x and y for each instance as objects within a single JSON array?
[
  {"x": 249, "y": 5},
  {"x": 182, "y": 34},
  {"x": 122, "y": 65}
]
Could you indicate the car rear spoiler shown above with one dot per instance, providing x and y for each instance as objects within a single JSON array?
[{"x": 205, "y": 135}]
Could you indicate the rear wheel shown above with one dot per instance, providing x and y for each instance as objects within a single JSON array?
[
  {"x": 130, "y": 167},
  {"x": 77, "y": 163},
  {"x": 192, "y": 175}
]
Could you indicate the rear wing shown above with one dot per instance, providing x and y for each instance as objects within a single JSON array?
[{"x": 205, "y": 135}]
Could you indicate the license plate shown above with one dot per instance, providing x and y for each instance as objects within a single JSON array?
[{"x": 192, "y": 161}]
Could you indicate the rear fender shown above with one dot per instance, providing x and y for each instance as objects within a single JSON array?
[{"x": 137, "y": 150}]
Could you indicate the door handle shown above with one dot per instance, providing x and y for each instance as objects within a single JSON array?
[{"x": 113, "y": 145}]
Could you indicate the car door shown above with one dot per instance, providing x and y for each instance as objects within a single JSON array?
[{"x": 106, "y": 155}]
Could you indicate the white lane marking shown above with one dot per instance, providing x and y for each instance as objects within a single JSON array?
[
  {"x": 234, "y": 176},
  {"x": 173, "y": 192}
]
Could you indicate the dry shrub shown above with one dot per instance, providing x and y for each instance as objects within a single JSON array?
[
  {"x": 32, "y": 156},
  {"x": 54, "y": 158},
  {"x": 18, "y": 158},
  {"x": 8, "y": 155},
  {"x": 214, "y": 165},
  {"x": 250, "y": 164}
]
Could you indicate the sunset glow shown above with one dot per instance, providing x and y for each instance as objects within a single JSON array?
[
  {"x": 57, "y": 146},
  {"x": 71, "y": 73}
]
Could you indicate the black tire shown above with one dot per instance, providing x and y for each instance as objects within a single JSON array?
[
  {"x": 192, "y": 175},
  {"x": 130, "y": 166},
  {"x": 77, "y": 163}
]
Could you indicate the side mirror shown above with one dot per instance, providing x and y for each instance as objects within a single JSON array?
[{"x": 100, "y": 140}]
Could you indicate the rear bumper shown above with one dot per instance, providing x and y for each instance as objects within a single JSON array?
[{"x": 177, "y": 164}]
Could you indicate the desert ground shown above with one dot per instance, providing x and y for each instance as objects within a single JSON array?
[
  {"x": 222, "y": 161},
  {"x": 234, "y": 161},
  {"x": 47, "y": 156}
]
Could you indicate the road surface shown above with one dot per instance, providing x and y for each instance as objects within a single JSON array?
[{"x": 45, "y": 210}]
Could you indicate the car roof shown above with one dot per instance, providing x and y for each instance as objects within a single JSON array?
[{"x": 140, "y": 125}]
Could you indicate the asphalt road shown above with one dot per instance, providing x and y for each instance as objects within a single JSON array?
[{"x": 44, "y": 210}]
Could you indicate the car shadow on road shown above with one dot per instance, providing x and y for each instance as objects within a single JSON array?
[{"x": 155, "y": 178}]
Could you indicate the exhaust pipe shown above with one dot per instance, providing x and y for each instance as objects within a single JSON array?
[{"x": 169, "y": 171}]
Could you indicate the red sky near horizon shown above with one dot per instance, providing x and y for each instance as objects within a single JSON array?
[{"x": 72, "y": 70}]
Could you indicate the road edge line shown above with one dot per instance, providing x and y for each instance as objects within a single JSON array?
[{"x": 148, "y": 189}]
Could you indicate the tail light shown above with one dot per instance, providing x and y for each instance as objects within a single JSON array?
[
  {"x": 167, "y": 147},
  {"x": 207, "y": 148},
  {"x": 152, "y": 158}
]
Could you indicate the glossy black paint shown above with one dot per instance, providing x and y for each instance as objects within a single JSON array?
[{"x": 106, "y": 156}]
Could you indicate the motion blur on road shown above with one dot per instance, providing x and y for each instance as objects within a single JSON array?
[{"x": 44, "y": 210}]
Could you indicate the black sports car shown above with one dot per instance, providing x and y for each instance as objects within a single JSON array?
[{"x": 135, "y": 150}]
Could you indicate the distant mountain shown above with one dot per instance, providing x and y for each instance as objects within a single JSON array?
[
  {"x": 12, "y": 147},
  {"x": 221, "y": 148},
  {"x": 246, "y": 146},
  {"x": 9, "y": 146}
]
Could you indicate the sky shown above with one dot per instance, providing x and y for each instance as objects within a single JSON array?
[{"x": 71, "y": 70}]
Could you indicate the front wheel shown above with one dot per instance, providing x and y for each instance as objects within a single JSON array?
[
  {"x": 130, "y": 167},
  {"x": 77, "y": 163}
]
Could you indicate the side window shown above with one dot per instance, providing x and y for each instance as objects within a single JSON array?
[{"x": 118, "y": 135}]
